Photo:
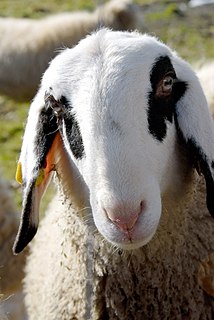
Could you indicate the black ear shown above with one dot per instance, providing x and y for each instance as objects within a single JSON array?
[
  {"x": 36, "y": 164},
  {"x": 195, "y": 126}
]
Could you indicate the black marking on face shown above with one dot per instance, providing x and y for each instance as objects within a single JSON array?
[
  {"x": 27, "y": 229},
  {"x": 72, "y": 130},
  {"x": 166, "y": 91},
  {"x": 201, "y": 163},
  {"x": 47, "y": 128}
]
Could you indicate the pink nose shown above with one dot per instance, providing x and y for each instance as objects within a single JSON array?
[{"x": 123, "y": 217}]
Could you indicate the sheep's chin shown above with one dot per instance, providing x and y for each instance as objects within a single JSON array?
[
  {"x": 142, "y": 234},
  {"x": 132, "y": 245}
]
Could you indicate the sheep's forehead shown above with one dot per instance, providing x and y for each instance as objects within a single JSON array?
[
  {"x": 106, "y": 79},
  {"x": 113, "y": 74},
  {"x": 104, "y": 55}
]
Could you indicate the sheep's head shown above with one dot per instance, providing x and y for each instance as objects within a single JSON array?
[{"x": 120, "y": 103}]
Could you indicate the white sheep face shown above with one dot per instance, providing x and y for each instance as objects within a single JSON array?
[
  {"x": 123, "y": 164},
  {"x": 115, "y": 103}
]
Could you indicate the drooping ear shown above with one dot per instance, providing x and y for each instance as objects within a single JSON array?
[
  {"x": 36, "y": 164},
  {"x": 196, "y": 127}
]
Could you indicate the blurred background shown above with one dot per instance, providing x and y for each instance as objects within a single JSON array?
[{"x": 187, "y": 26}]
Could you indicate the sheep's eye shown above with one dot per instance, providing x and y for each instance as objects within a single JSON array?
[{"x": 167, "y": 84}]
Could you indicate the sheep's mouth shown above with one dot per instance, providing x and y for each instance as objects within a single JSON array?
[
  {"x": 132, "y": 244},
  {"x": 130, "y": 240}
]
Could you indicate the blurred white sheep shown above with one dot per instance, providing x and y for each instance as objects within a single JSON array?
[{"x": 28, "y": 45}]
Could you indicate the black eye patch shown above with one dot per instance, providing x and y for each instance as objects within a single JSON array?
[
  {"x": 166, "y": 91},
  {"x": 72, "y": 130}
]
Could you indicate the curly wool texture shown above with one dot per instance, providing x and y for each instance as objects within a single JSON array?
[{"x": 90, "y": 279}]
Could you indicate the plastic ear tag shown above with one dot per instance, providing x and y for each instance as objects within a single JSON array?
[
  {"x": 40, "y": 177},
  {"x": 19, "y": 173}
]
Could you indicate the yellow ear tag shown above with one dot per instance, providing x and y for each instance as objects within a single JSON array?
[
  {"x": 19, "y": 173},
  {"x": 40, "y": 177}
]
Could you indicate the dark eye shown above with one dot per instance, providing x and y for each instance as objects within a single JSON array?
[{"x": 167, "y": 84}]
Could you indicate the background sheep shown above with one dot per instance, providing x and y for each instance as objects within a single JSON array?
[
  {"x": 132, "y": 135},
  {"x": 206, "y": 76},
  {"x": 11, "y": 267},
  {"x": 28, "y": 45}
]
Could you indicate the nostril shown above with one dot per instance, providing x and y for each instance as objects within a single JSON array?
[{"x": 123, "y": 217}]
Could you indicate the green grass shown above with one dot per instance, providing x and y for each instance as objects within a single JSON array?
[
  {"x": 37, "y": 9},
  {"x": 189, "y": 34},
  {"x": 12, "y": 119}
]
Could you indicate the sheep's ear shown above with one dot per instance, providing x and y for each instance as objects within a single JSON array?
[
  {"x": 36, "y": 164},
  {"x": 196, "y": 128}
]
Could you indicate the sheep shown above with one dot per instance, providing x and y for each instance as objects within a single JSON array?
[
  {"x": 28, "y": 45},
  {"x": 122, "y": 124},
  {"x": 11, "y": 267}
]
